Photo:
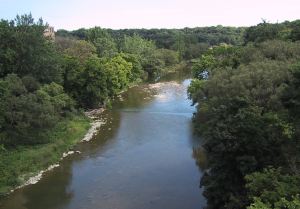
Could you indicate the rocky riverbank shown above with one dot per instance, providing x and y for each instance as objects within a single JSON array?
[{"x": 96, "y": 122}]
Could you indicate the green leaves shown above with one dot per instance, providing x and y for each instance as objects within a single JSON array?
[
  {"x": 203, "y": 66},
  {"x": 25, "y": 50},
  {"x": 102, "y": 40},
  {"x": 248, "y": 116},
  {"x": 27, "y": 113},
  {"x": 119, "y": 72},
  {"x": 196, "y": 90},
  {"x": 273, "y": 188}
]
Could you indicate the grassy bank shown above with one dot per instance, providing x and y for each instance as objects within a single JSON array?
[{"x": 17, "y": 165}]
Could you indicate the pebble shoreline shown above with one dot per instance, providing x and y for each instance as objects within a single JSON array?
[{"x": 95, "y": 125}]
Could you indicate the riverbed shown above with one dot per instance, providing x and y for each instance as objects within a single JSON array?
[{"x": 141, "y": 158}]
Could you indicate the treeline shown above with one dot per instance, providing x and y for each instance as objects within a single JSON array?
[
  {"x": 267, "y": 31},
  {"x": 188, "y": 42},
  {"x": 248, "y": 113}
]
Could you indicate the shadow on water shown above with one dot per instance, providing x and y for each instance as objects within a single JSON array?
[
  {"x": 54, "y": 190},
  {"x": 145, "y": 156}
]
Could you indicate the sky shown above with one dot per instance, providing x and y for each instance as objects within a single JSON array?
[{"x": 120, "y": 14}]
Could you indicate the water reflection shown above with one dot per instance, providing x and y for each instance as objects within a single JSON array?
[
  {"x": 200, "y": 157},
  {"x": 33, "y": 196}
]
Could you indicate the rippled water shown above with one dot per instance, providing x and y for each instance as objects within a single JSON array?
[{"x": 141, "y": 158}]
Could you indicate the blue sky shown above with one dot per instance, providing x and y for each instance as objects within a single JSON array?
[{"x": 73, "y": 14}]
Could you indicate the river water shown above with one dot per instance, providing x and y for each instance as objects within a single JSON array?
[{"x": 142, "y": 158}]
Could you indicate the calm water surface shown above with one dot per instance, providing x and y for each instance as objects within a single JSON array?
[{"x": 142, "y": 158}]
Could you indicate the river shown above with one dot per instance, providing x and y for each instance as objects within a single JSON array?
[{"x": 142, "y": 158}]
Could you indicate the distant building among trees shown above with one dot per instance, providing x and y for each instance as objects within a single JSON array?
[{"x": 49, "y": 32}]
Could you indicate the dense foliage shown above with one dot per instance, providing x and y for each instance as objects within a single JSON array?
[
  {"x": 267, "y": 31},
  {"x": 32, "y": 98},
  {"x": 188, "y": 42},
  {"x": 248, "y": 114},
  {"x": 44, "y": 81}
]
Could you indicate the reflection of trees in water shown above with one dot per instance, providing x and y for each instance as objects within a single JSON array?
[
  {"x": 199, "y": 153},
  {"x": 200, "y": 157},
  {"x": 52, "y": 191}
]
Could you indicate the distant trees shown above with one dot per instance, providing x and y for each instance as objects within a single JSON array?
[
  {"x": 76, "y": 48},
  {"x": 262, "y": 32},
  {"x": 169, "y": 57},
  {"x": 146, "y": 53},
  {"x": 295, "y": 32},
  {"x": 267, "y": 31},
  {"x": 104, "y": 43},
  {"x": 188, "y": 42}
]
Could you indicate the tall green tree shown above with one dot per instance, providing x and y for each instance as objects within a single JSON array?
[
  {"x": 104, "y": 43},
  {"x": 28, "y": 111},
  {"x": 119, "y": 72},
  {"x": 247, "y": 110},
  {"x": 93, "y": 84},
  {"x": 26, "y": 51}
]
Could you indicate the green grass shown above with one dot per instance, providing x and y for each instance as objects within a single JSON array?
[{"x": 17, "y": 165}]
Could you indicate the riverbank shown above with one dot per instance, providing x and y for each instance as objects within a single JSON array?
[{"x": 26, "y": 164}]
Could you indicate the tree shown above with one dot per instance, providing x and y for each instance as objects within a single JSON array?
[
  {"x": 93, "y": 84},
  {"x": 180, "y": 45},
  {"x": 169, "y": 57},
  {"x": 118, "y": 74},
  {"x": 146, "y": 53},
  {"x": 203, "y": 66},
  {"x": 283, "y": 203},
  {"x": 72, "y": 80},
  {"x": 137, "y": 69},
  {"x": 104, "y": 43},
  {"x": 80, "y": 49},
  {"x": 295, "y": 33},
  {"x": 273, "y": 188},
  {"x": 263, "y": 32},
  {"x": 247, "y": 113},
  {"x": 26, "y": 113}
]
